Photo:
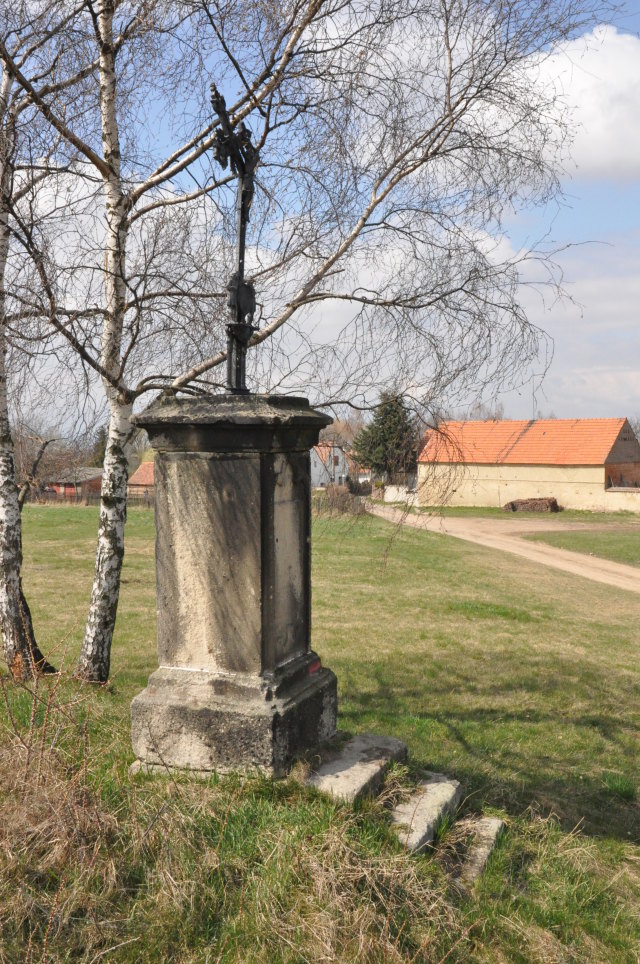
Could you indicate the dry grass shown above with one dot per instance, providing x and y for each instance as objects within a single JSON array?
[
  {"x": 330, "y": 924},
  {"x": 87, "y": 872},
  {"x": 54, "y": 830},
  {"x": 519, "y": 682}
]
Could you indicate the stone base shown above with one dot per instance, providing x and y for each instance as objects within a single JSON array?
[{"x": 195, "y": 720}]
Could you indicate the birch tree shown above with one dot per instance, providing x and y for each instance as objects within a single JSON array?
[
  {"x": 19, "y": 645},
  {"x": 20, "y": 142},
  {"x": 90, "y": 37},
  {"x": 394, "y": 137}
]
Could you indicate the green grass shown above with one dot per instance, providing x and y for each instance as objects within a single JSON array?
[
  {"x": 620, "y": 785},
  {"x": 614, "y": 519},
  {"x": 460, "y": 510},
  {"x": 619, "y": 545},
  {"x": 521, "y": 682},
  {"x": 476, "y": 609}
]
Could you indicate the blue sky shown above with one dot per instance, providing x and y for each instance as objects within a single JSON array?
[{"x": 595, "y": 371}]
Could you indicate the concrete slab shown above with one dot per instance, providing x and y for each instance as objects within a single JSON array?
[
  {"x": 486, "y": 831},
  {"x": 357, "y": 769},
  {"x": 416, "y": 820}
]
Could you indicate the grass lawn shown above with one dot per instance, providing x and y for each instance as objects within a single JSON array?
[
  {"x": 521, "y": 682},
  {"x": 619, "y": 544},
  {"x": 623, "y": 518}
]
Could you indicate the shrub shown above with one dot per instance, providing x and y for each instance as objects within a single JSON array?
[
  {"x": 358, "y": 488},
  {"x": 338, "y": 500}
]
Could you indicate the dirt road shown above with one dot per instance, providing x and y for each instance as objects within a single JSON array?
[{"x": 506, "y": 534}]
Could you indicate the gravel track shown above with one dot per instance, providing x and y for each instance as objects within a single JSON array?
[{"x": 506, "y": 535}]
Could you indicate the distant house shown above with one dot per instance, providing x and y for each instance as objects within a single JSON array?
[
  {"x": 141, "y": 483},
  {"x": 329, "y": 464},
  {"x": 76, "y": 483},
  {"x": 585, "y": 463}
]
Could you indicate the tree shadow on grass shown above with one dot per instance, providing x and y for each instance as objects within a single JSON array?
[{"x": 576, "y": 763}]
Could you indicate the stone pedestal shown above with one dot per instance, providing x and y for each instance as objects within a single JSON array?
[{"x": 238, "y": 685}]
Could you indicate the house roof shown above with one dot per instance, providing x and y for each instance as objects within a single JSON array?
[
  {"x": 544, "y": 441},
  {"x": 325, "y": 450},
  {"x": 143, "y": 475},
  {"x": 83, "y": 473}
]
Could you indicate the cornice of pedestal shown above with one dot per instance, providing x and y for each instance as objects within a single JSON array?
[
  {"x": 232, "y": 423},
  {"x": 231, "y": 409}
]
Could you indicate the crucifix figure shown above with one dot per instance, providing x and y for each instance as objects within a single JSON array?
[{"x": 233, "y": 148}]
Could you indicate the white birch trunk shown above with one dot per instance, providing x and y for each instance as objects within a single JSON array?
[
  {"x": 21, "y": 653},
  {"x": 95, "y": 655}
]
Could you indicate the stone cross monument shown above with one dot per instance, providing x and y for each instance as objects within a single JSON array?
[{"x": 238, "y": 685}]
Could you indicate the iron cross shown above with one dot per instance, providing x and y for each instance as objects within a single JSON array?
[{"x": 233, "y": 148}]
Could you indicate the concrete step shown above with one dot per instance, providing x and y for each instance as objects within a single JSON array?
[
  {"x": 484, "y": 835},
  {"x": 416, "y": 819},
  {"x": 357, "y": 769}
]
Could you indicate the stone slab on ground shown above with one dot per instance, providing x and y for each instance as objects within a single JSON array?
[
  {"x": 486, "y": 831},
  {"x": 357, "y": 769},
  {"x": 416, "y": 819}
]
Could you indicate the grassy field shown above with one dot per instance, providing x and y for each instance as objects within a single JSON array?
[
  {"x": 613, "y": 519},
  {"x": 621, "y": 544},
  {"x": 521, "y": 682}
]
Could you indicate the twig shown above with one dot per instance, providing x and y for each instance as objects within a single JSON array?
[{"x": 108, "y": 950}]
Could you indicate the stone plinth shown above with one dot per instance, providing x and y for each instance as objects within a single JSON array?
[{"x": 238, "y": 685}]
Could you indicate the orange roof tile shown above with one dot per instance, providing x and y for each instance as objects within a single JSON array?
[
  {"x": 324, "y": 449},
  {"x": 143, "y": 475},
  {"x": 557, "y": 441}
]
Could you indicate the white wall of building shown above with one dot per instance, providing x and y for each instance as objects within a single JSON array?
[
  {"x": 574, "y": 487},
  {"x": 329, "y": 466},
  {"x": 400, "y": 493}
]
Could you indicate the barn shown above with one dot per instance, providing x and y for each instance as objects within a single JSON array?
[
  {"x": 585, "y": 463},
  {"x": 76, "y": 483}
]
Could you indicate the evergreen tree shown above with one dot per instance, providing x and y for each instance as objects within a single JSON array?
[
  {"x": 389, "y": 444},
  {"x": 99, "y": 445}
]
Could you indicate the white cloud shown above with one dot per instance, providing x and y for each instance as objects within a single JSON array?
[
  {"x": 595, "y": 371},
  {"x": 599, "y": 75}
]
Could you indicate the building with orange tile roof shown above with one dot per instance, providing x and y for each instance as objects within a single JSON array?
[
  {"x": 141, "y": 483},
  {"x": 585, "y": 463}
]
